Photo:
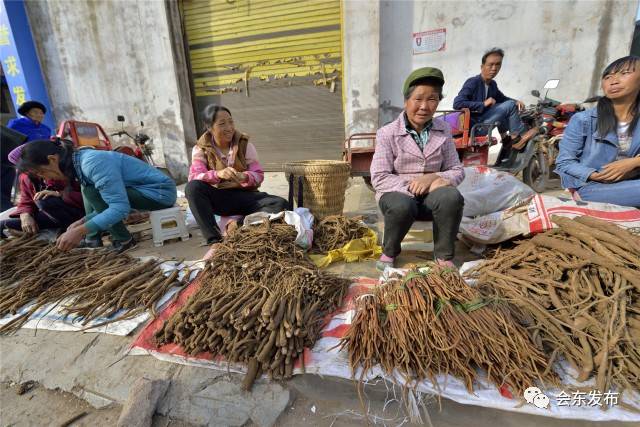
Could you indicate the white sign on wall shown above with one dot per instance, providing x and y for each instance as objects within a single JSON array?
[{"x": 429, "y": 41}]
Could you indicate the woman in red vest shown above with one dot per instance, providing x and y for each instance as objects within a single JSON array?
[{"x": 225, "y": 175}]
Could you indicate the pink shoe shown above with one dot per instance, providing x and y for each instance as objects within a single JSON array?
[
  {"x": 211, "y": 251},
  {"x": 445, "y": 263},
  {"x": 384, "y": 262}
]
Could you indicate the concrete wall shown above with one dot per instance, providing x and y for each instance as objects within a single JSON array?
[
  {"x": 566, "y": 39},
  {"x": 104, "y": 58},
  {"x": 361, "y": 64}
]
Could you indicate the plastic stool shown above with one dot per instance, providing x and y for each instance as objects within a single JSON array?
[{"x": 168, "y": 224}]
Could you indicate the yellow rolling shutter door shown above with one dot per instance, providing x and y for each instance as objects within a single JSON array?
[{"x": 254, "y": 55}]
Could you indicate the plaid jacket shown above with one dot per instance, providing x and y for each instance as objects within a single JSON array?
[{"x": 398, "y": 159}]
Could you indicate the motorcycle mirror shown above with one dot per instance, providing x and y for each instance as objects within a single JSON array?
[
  {"x": 121, "y": 118},
  {"x": 535, "y": 93},
  {"x": 551, "y": 84}
]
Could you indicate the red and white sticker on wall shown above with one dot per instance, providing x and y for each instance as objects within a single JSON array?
[{"x": 429, "y": 41}]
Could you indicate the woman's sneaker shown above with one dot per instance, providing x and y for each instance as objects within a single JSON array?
[
  {"x": 122, "y": 245},
  {"x": 384, "y": 262},
  {"x": 91, "y": 243},
  {"x": 445, "y": 263}
]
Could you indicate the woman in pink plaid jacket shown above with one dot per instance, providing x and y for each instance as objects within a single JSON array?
[{"x": 415, "y": 170}]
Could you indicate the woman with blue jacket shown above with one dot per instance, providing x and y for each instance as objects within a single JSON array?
[
  {"x": 111, "y": 183},
  {"x": 600, "y": 149}
]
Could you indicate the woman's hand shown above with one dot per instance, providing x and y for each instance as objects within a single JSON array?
[
  {"x": 41, "y": 195},
  {"x": 420, "y": 186},
  {"x": 616, "y": 171},
  {"x": 78, "y": 223},
  {"x": 241, "y": 176},
  {"x": 439, "y": 182},
  {"x": 72, "y": 237},
  {"x": 228, "y": 174},
  {"x": 28, "y": 223}
]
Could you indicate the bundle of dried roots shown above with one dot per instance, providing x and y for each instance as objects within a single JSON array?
[
  {"x": 90, "y": 283},
  {"x": 577, "y": 290},
  {"x": 431, "y": 323},
  {"x": 333, "y": 232},
  {"x": 261, "y": 302}
]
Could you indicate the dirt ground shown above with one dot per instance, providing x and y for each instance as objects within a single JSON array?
[{"x": 42, "y": 407}]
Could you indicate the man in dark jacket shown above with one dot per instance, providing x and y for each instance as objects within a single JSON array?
[{"x": 481, "y": 95}]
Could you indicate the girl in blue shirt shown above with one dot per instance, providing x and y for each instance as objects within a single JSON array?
[{"x": 600, "y": 149}]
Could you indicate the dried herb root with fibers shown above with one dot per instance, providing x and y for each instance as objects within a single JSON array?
[
  {"x": 90, "y": 284},
  {"x": 260, "y": 303},
  {"x": 579, "y": 294},
  {"x": 432, "y": 323},
  {"x": 335, "y": 231}
]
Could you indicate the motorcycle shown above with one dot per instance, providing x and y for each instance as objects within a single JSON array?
[
  {"x": 536, "y": 160},
  {"x": 143, "y": 146}
]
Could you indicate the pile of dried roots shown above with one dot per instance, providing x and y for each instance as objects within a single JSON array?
[
  {"x": 90, "y": 283},
  {"x": 261, "y": 302},
  {"x": 577, "y": 290},
  {"x": 431, "y": 323},
  {"x": 335, "y": 231}
]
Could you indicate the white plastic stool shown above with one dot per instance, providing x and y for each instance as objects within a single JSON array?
[{"x": 168, "y": 224}]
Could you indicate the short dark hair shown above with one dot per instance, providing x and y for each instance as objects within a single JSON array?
[
  {"x": 429, "y": 81},
  {"x": 35, "y": 154},
  {"x": 492, "y": 51},
  {"x": 210, "y": 112}
]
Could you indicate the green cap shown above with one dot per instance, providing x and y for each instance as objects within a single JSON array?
[{"x": 422, "y": 73}]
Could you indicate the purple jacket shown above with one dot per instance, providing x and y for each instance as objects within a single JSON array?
[{"x": 398, "y": 159}]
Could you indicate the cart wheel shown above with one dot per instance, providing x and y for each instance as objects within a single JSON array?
[
  {"x": 367, "y": 181},
  {"x": 536, "y": 173}
]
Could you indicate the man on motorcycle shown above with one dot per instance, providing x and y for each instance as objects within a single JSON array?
[{"x": 480, "y": 94}]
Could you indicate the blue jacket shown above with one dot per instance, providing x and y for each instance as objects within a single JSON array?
[
  {"x": 111, "y": 173},
  {"x": 471, "y": 95},
  {"x": 583, "y": 151},
  {"x": 29, "y": 128}
]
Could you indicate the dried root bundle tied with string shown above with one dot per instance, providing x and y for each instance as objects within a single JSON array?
[
  {"x": 261, "y": 302},
  {"x": 432, "y": 323},
  {"x": 577, "y": 290},
  {"x": 90, "y": 284},
  {"x": 335, "y": 231}
]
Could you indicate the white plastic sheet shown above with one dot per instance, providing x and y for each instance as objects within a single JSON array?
[{"x": 52, "y": 316}]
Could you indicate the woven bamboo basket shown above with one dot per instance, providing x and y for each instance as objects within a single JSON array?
[{"x": 324, "y": 184}]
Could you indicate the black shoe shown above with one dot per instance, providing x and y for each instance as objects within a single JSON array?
[
  {"x": 91, "y": 243},
  {"x": 120, "y": 246}
]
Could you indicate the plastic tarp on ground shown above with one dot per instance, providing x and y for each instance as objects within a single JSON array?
[
  {"x": 326, "y": 359},
  {"x": 52, "y": 316}
]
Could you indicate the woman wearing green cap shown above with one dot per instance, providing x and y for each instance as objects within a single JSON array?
[{"x": 415, "y": 170}]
